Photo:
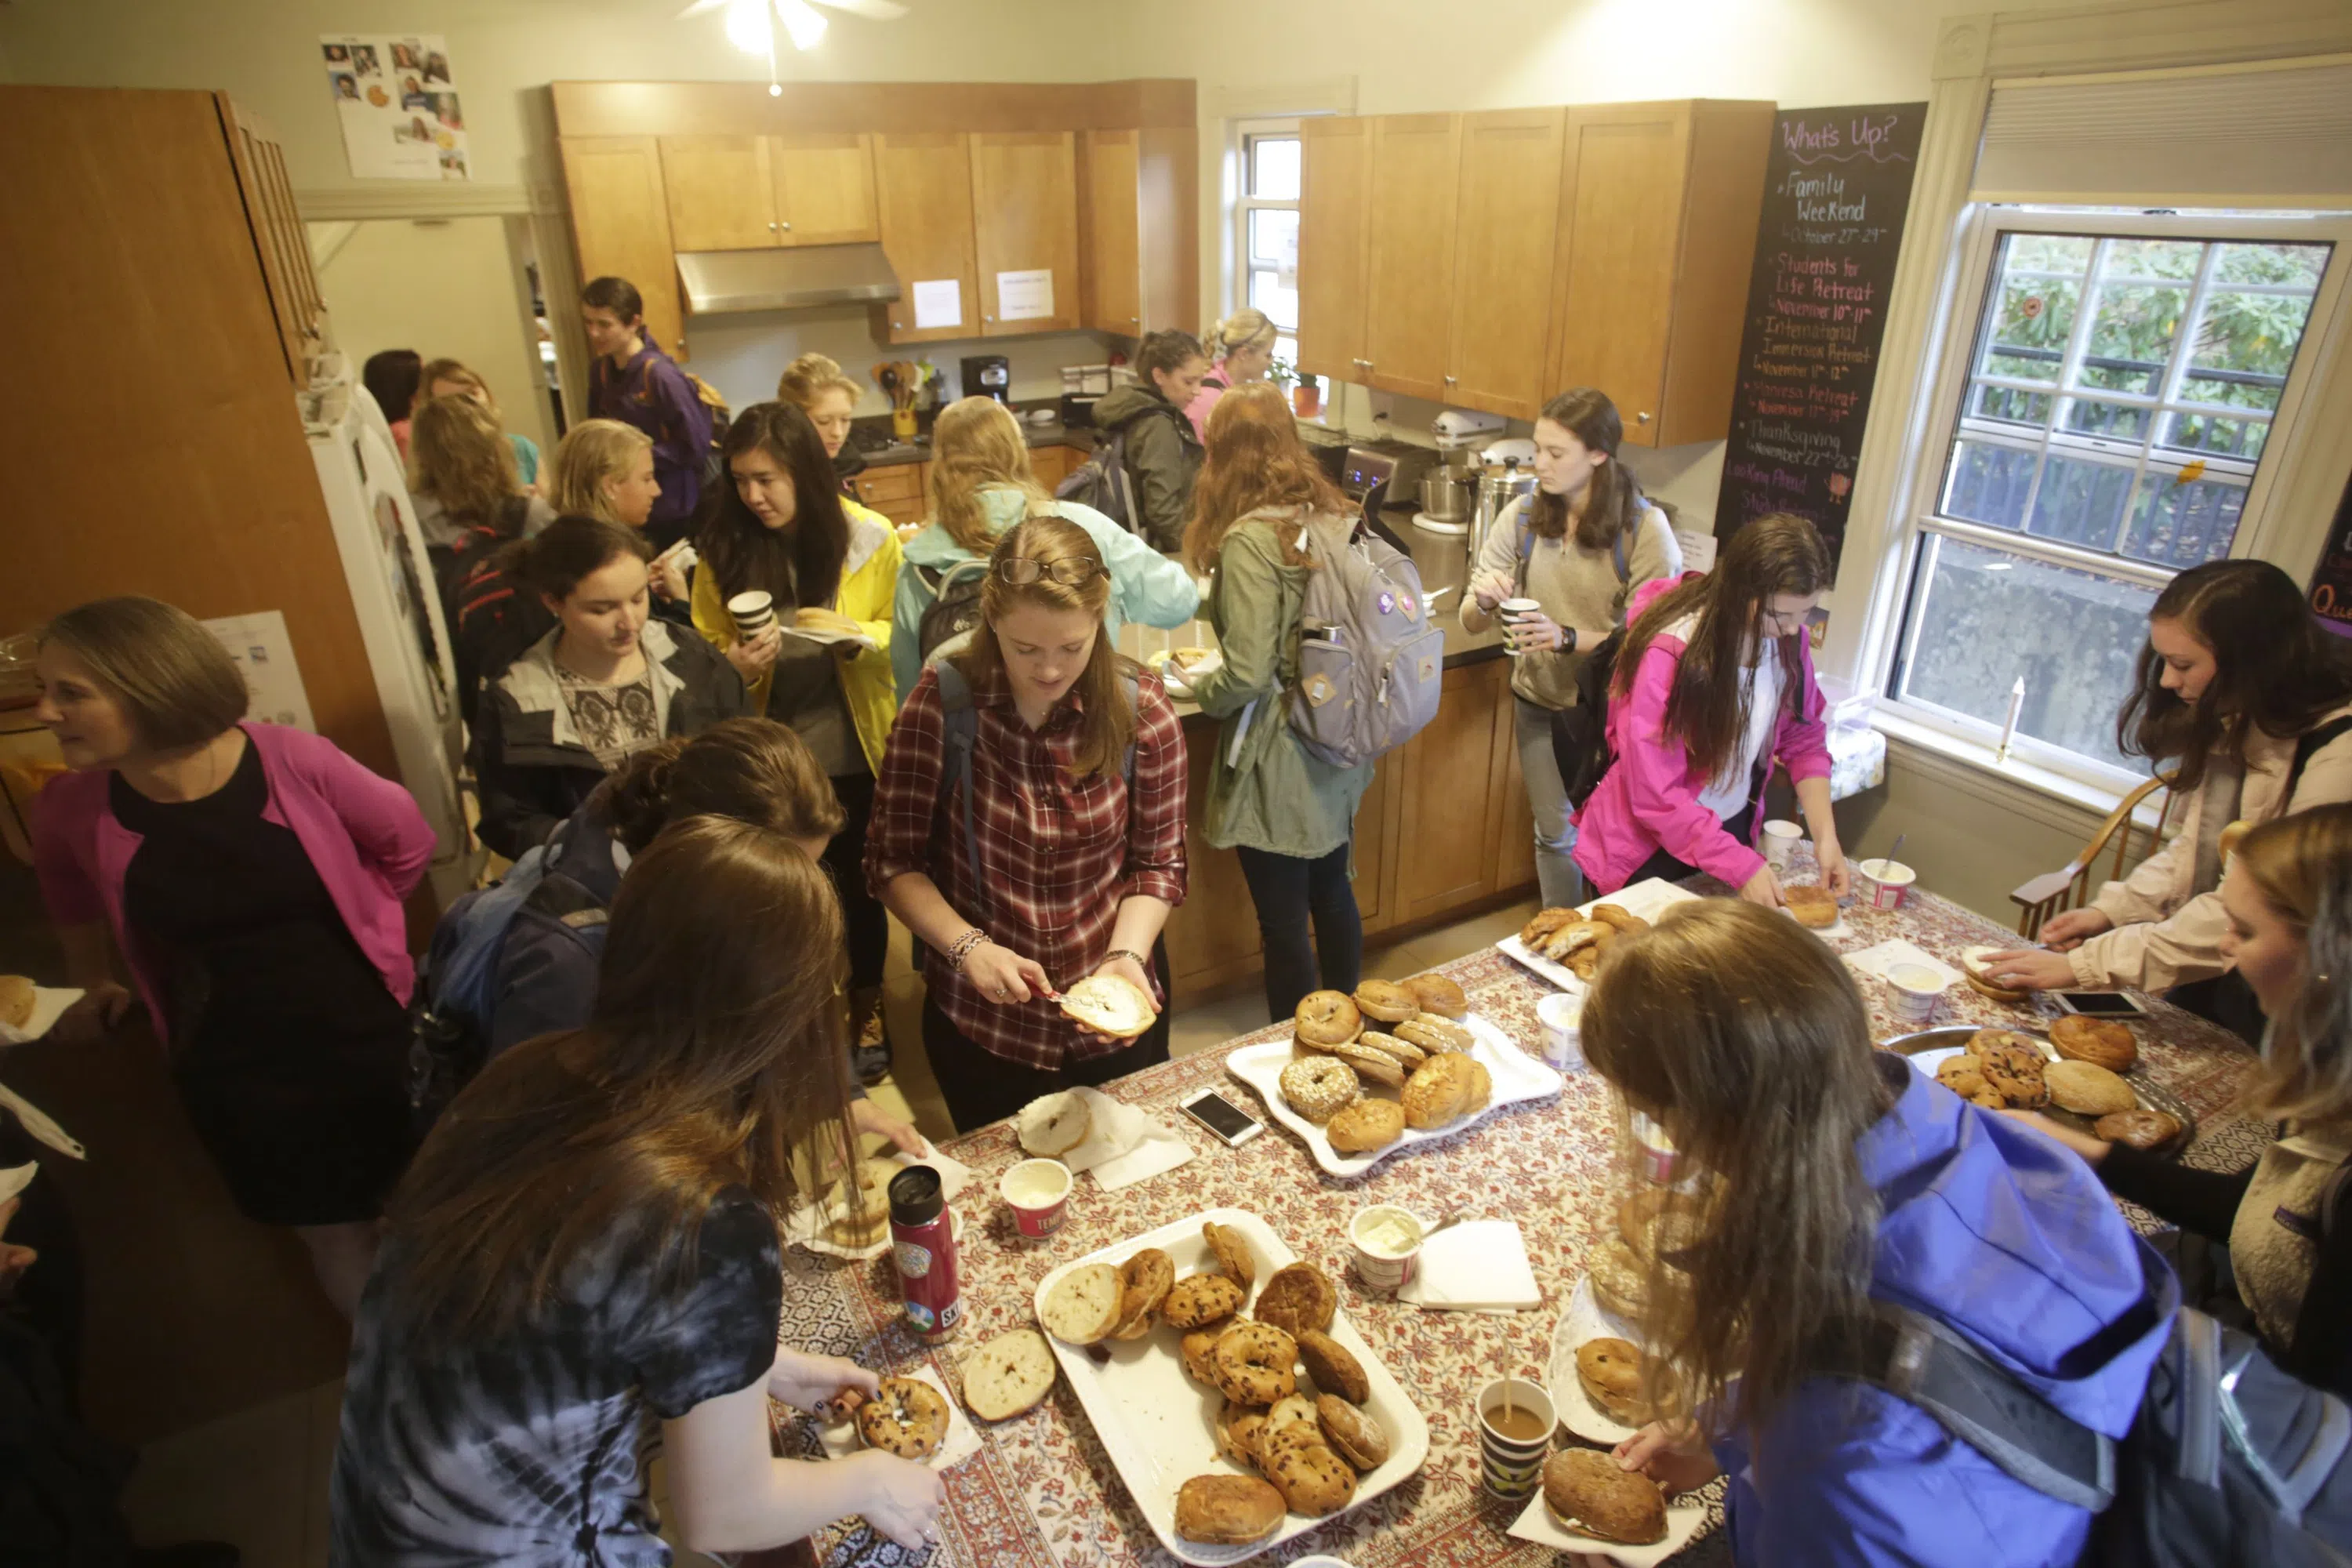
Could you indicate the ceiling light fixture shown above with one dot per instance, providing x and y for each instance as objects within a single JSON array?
[
  {"x": 747, "y": 27},
  {"x": 803, "y": 22}
]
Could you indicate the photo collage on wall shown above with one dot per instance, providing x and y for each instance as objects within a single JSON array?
[{"x": 397, "y": 99}]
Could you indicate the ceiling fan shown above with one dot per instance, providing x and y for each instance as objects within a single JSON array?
[{"x": 748, "y": 28}]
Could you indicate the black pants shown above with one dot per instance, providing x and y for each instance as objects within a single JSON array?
[
  {"x": 981, "y": 1087},
  {"x": 864, "y": 920},
  {"x": 1289, "y": 892},
  {"x": 2227, "y": 1000},
  {"x": 1665, "y": 867}
]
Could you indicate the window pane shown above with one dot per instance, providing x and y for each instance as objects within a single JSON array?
[
  {"x": 2220, "y": 437},
  {"x": 2295, "y": 266},
  {"x": 2153, "y": 258},
  {"x": 1274, "y": 168},
  {"x": 1273, "y": 237},
  {"x": 1991, "y": 484},
  {"x": 2032, "y": 317},
  {"x": 2243, "y": 347},
  {"x": 2081, "y": 502},
  {"x": 2183, "y": 523},
  {"x": 1278, "y": 299},
  {"x": 2121, "y": 421},
  {"x": 2012, "y": 405},
  {"x": 1986, "y": 617},
  {"x": 2131, "y": 337}
]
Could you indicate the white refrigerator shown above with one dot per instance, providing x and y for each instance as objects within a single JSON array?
[{"x": 399, "y": 609}]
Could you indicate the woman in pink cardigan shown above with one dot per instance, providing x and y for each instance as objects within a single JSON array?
[
  {"x": 253, "y": 879},
  {"x": 1713, "y": 685}
]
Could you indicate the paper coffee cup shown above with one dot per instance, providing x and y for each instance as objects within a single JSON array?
[
  {"x": 1780, "y": 839},
  {"x": 1511, "y": 610},
  {"x": 753, "y": 613},
  {"x": 1513, "y": 1436}
]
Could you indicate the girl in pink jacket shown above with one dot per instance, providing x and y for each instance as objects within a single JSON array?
[{"x": 1714, "y": 684}]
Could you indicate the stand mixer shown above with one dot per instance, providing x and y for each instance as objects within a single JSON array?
[{"x": 1446, "y": 493}]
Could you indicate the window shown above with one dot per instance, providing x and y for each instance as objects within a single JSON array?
[
  {"x": 2122, "y": 381},
  {"x": 1265, "y": 228}
]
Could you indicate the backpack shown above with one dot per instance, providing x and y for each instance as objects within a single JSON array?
[
  {"x": 449, "y": 1012},
  {"x": 1579, "y": 735},
  {"x": 1369, "y": 662},
  {"x": 714, "y": 458},
  {"x": 959, "y": 733},
  {"x": 1103, "y": 482},
  {"x": 955, "y": 610},
  {"x": 2229, "y": 1460}
]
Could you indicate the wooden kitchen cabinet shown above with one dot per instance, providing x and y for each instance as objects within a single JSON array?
[
  {"x": 755, "y": 193},
  {"x": 824, "y": 187},
  {"x": 1025, "y": 204},
  {"x": 1451, "y": 778},
  {"x": 620, "y": 224},
  {"x": 923, "y": 191},
  {"x": 1136, "y": 191},
  {"x": 1334, "y": 222},
  {"x": 896, "y": 491},
  {"x": 1659, "y": 203},
  {"x": 1507, "y": 204},
  {"x": 1409, "y": 252}
]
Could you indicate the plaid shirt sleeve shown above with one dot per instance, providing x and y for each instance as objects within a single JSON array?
[
  {"x": 1155, "y": 809},
  {"x": 905, "y": 794}
]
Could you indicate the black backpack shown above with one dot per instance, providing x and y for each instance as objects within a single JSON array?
[
  {"x": 1580, "y": 735},
  {"x": 1103, "y": 480},
  {"x": 2229, "y": 1461},
  {"x": 955, "y": 610}
]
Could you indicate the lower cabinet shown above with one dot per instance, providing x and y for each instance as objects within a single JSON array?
[{"x": 1444, "y": 826}]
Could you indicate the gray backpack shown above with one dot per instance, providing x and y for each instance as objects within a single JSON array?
[{"x": 1369, "y": 663}]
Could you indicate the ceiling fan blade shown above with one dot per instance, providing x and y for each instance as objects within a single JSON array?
[
  {"x": 872, "y": 10},
  {"x": 699, "y": 9}
]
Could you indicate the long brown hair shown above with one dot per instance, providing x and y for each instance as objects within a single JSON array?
[
  {"x": 976, "y": 446},
  {"x": 712, "y": 1056},
  {"x": 458, "y": 456},
  {"x": 1109, "y": 725},
  {"x": 1707, "y": 711},
  {"x": 2275, "y": 669},
  {"x": 1256, "y": 459},
  {"x": 1747, "y": 1041},
  {"x": 752, "y": 770},
  {"x": 2302, "y": 867},
  {"x": 800, "y": 562},
  {"x": 1612, "y": 498},
  {"x": 553, "y": 561}
]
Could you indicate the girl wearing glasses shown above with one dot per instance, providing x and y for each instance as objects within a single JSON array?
[
  {"x": 1045, "y": 847},
  {"x": 1714, "y": 686}
]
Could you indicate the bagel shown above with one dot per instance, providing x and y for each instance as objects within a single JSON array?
[
  {"x": 2141, "y": 1129},
  {"x": 2087, "y": 1090},
  {"x": 1235, "y": 1260},
  {"x": 2012, "y": 1067},
  {"x": 1239, "y": 1428},
  {"x": 1621, "y": 1283},
  {"x": 1320, "y": 1087},
  {"x": 1611, "y": 1372},
  {"x": 1333, "y": 1366},
  {"x": 1362, "y": 1441},
  {"x": 1297, "y": 1299},
  {"x": 1585, "y": 1490},
  {"x": 2102, "y": 1042},
  {"x": 1053, "y": 1124},
  {"x": 1376, "y": 1065},
  {"x": 858, "y": 1208},
  {"x": 1308, "y": 1471},
  {"x": 1974, "y": 970},
  {"x": 19, "y": 997},
  {"x": 909, "y": 1417},
  {"x": 1624, "y": 920},
  {"x": 1964, "y": 1076},
  {"x": 1406, "y": 1053},
  {"x": 1439, "y": 1091},
  {"x": 1533, "y": 934},
  {"x": 1112, "y": 1007},
  {"x": 1254, "y": 1364},
  {"x": 1199, "y": 1300},
  {"x": 1366, "y": 1126},
  {"x": 1814, "y": 906},
  {"x": 1086, "y": 1304},
  {"x": 1327, "y": 1018},
  {"x": 1289, "y": 1410},
  {"x": 1229, "y": 1511},
  {"x": 1385, "y": 1000},
  {"x": 1194, "y": 1347},
  {"x": 1009, "y": 1374},
  {"x": 1436, "y": 994},
  {"x": 1575, "y": 937},
  {"x": 1144, "y": 1280},
  {"x": 1434, "y": 1034}
]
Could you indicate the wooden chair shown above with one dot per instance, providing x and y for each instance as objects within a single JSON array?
[{"x": 2058, "y": 891}]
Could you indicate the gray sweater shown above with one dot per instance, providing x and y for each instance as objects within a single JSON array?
[{"x": 1576, "y": 587}]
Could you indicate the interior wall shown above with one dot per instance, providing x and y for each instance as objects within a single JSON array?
[
  {"x": 448, "y": 288},
  {"x": 741, "y": 354}
]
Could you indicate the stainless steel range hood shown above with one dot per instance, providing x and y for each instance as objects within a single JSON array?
[{"x": 717, "y": 281}]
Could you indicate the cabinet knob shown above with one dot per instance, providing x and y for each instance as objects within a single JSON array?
[
  {"x": 1640, "y": 419},
  {"x": 771, "y": 229},
  {"x": 786, "y": 228},
  {"x": 897, "y": 326},
  {"x": 988, "y": 317},
  {"x": 1135, "y": 321},
  {"x": 1449, "y": 381}
]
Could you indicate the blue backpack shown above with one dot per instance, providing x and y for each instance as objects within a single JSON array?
[{"x": 449, "y": 1012}]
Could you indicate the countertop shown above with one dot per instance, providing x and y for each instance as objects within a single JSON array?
[{"x": 900, "y": 453}]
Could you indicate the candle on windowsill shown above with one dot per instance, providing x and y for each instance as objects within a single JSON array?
[{"x": 2009, "y": 726}]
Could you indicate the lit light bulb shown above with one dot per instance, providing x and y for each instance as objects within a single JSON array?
[
  {"x": 803, "y": 21},
  {"x": 747, "y": 25},
  {"x": 776, "y": 90}
]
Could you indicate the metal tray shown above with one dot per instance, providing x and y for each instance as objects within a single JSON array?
[{"x": 2151, "y": 1095}]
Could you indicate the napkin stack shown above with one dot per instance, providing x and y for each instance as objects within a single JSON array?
[
  {"x": 1122, "y": 1145},
  {"x": 1880, "y": 963},
  {"x": 1478, "y": 1265},
  {"x": 805, "y": 1226}
]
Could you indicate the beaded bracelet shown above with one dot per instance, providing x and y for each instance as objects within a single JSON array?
[{"x": 961, "y": 948}]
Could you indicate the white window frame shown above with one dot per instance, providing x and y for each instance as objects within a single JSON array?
[
  {"x": 2260, "y": 533},
  {"x": 1238, "y": 268}
]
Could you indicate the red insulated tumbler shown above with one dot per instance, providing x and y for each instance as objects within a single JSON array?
[{"x": 924, "y": 1248}]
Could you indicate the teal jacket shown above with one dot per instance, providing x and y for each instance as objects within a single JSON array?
[{"x": 1145, "y": 585}]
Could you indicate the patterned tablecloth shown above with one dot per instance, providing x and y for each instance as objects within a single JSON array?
[{"x": 1042, "y": 1492}]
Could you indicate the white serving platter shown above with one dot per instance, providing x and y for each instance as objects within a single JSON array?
[
  {"x": 1517, "y": 1075},
  {"x": 1645, "y": 898},
  {"x": 49, "y": 1002},
  {"x": 1159, "y": 1426}
]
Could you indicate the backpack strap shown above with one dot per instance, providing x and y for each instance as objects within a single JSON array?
[
  {"x": 2311, "y": 743},
  {"x": 960, "y": 729}
]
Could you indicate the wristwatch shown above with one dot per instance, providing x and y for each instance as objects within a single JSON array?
[{"x": 1573, "y": 638}]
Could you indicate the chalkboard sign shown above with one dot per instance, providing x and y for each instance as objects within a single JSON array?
[
  {"x": 1834, "y": 197},
  {"x": 2331, "y": 585}
]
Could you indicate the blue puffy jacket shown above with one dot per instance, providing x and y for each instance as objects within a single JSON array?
[{"x": 2009, "y": 1239}]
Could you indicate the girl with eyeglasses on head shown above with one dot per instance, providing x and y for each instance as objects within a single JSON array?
[
  {"x": 1713, "y": 687},
  {"x": 1029, "y": 829}
]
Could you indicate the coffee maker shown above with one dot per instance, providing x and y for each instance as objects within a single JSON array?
[{"x": 988, "y": 375}]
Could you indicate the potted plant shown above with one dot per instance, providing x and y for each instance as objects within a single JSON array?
[{"x": 1305, "y": 391}]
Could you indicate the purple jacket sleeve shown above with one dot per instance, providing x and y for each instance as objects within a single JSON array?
[
  {"x": 1660, "y": 792},
  {"x": 390, "y": 833}
]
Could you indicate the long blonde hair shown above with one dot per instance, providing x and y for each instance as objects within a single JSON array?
[
  {"x": 976, "y": 444},
  {"x": 2302, "y": 867},
  {"x": 1245, "y": 328},
  {"x": 591, "y": 452},
  {"x": 459, "y": 457},
  {"x": 812, "y": 375},
  {"x": 1108, "y": 724}
]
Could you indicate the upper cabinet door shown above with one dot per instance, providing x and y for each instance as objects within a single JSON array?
[
  {"x": 721, "y": 193},
  {"x": 922, "y": 186},
  {"x": 824, "y": 188},
  {"x": 1108, "y": 168},
  {"x": 1024, "y": 192},
  {"x": 1334, "y": 190},
  {"x": 1620, "y": 253},
  {"x": 1509, "y": 206},
  {"x": 1416, "y": 163},
  {"x": 620, "y": 224}
]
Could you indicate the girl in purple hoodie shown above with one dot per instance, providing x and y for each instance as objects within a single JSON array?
[{"x": 1834, "y": 1176}]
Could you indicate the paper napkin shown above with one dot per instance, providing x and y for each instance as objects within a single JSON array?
[
  {"x": 1162, "y": 1150},
  {"x": 1479, "y": 1266},
  {"x": 1879, "y": 963}
]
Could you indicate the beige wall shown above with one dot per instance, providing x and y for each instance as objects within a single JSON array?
[{"x": 448, "y": 288}]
